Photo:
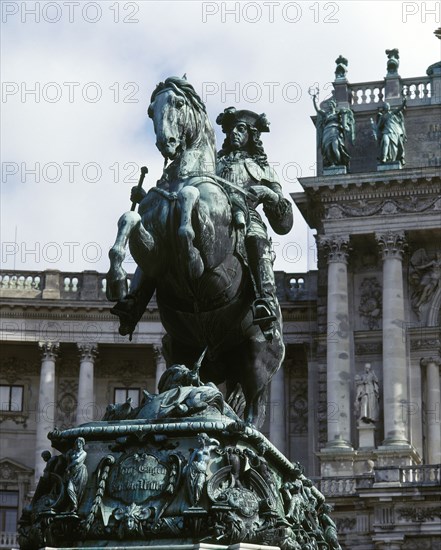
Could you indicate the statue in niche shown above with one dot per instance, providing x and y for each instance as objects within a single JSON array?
[
  {"x": 242, "y": 162},
  {"x": 196, "y": 469},
  {"x": 367, "y": 397},
  {"x": 334, "y": 127},
  {"x": 426, "y": 276},
  {"x": 341, "y": 68},
  {"x": 76, "y": 475},
  {"x": 393, "y": 62},
  {"x": 390, "y": 133}
]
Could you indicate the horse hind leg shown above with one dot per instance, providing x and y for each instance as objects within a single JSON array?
[
  {"x": 188, "y": 198},
  {"x": 116, "y": 277}
]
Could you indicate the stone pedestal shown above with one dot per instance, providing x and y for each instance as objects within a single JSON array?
[
  {"x": 337, "y": 462},
  {"x": 366, "y": 436},
  {"x": 384, "y": 167},
  {"x": 334, "y": 170},
  {"x": 180, "y": 469}
]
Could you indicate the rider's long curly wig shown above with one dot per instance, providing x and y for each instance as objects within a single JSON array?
[{"x": 254, "y": 147}]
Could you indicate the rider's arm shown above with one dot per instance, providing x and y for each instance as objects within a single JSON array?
[{"x": 279, "y": 213}]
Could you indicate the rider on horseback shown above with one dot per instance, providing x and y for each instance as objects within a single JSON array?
[{"x": 243, "y": 162}]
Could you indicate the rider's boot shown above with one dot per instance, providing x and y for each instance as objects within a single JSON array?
[{"x": 264, "y": 307}]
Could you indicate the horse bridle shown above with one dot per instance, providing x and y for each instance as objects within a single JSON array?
[{"x": 177, "y": 91}]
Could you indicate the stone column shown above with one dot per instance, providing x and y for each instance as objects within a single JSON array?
[
  {"x": 161, "y": 365},
  {"x": 339, "y": 410},
  {"x": 277, "y": 412},
  {"x": 45, "y": 418},
  {"x": 394, "y": 345},
  {"x": 432, "y": 409},
  {"x": 86, "y": 396}
]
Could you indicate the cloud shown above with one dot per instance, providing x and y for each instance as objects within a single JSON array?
[{"x": 93, "y": 83}]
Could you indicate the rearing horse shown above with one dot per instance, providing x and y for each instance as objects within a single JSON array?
[{"x": 187, "y": 249}]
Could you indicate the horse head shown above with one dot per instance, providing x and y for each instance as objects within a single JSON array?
[{"x": 181, "y": 123}]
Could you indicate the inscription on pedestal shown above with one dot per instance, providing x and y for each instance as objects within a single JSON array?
[{"x": 137, "y": 478}]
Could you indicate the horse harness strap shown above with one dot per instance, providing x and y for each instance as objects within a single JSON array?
[
  {"x": 221, "y": 182},
  {"x": 171, "y": 196}
]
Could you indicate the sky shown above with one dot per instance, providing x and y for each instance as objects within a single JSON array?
[{"x": 77, "y": 78}]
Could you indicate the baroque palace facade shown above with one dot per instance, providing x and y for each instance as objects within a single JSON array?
[{"x": 374, "y": 300}]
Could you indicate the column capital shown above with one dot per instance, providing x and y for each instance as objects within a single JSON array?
[
  {"x": 49, "y": 350},
  {"x": 336, "y": 247},
  {"x": 434, "y": 360},
  {"x": 392, "y": 244},
  {"x": 88, "y": 351}
]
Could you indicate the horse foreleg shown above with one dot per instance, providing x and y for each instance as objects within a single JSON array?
[
  {"x": 187, "y": 199},
  {"x": 117, "y": 277}
]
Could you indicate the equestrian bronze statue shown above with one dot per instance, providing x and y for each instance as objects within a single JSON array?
[{"x": 191, "y": 251}]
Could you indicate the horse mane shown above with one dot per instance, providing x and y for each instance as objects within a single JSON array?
[{"x": 181, "y": 87}]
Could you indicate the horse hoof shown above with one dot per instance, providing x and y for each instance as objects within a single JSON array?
[{"x": 116, "y": 289}]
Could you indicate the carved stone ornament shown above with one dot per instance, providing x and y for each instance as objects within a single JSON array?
[
  {"x": 49, "y": 350},
  {"x": 365, "y": 208},
  {"x": 341, "y": 68},
  {"x": 392, "y": 244},
  {"x": 371, "y": 302},
  {"x": 336, "y": 248},
  {"x": 393, "y": 62},
  {"x": 12, "y": 369},
  {"x": 87, "y": 351},
  {"x": 420, "y": 515},
  {"x": 67, "y": 403}
]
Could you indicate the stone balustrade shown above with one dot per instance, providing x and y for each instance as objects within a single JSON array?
[
  {"x": 8, "y": 540},
  {"x": 87, "y": 285},
  {"x": 366, "y": 93},
  {"x": 365, "y": 96},
  {"x": 337, "y": 486},
  {"x": 23, "y": 280},
  {"x": 296, "y": 286},
  {"x": 419, "y": 89},
  {"x": 421, "y": 475},
  {"x": 91, "y": 285}
]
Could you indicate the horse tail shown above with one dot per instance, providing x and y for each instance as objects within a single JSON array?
[{"x": 236, "y": 400}]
